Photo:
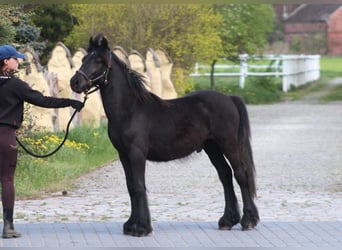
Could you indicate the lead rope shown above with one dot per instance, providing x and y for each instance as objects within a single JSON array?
[
  {"x": 105, "y": 75},
  {"x": 62, "y": 143}
]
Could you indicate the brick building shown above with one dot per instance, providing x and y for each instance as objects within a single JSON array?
[{"x": 315, "y": 28}]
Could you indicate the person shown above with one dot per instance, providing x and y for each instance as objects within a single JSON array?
[{"x": 13, "y": 93}]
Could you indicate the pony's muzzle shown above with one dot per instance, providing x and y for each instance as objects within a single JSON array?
[{"x": 76, "y": 83}]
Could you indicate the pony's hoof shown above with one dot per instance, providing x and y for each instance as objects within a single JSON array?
[
  {"x": 227, "y": 224},
  {"x": 249, "y": 222},
  {"x": 136, "y": 230},
  {"x": 227, "y": 228}
]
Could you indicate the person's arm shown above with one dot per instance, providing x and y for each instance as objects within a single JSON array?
[{"x": 37, "y": 98}]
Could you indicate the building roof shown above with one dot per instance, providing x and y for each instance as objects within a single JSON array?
[{"x": 312, "y": 13}]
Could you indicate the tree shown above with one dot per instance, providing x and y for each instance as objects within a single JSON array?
[
  {"x": 55, "y": 22},
  {"x": 188, "y": 32},
  {"x": 16, "y": 26},
  {"x": 245, "y": 30},
  {"x": 7, "y": 30}
]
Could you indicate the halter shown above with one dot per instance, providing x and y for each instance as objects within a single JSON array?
[
  {"x": 103, "y": 75},
  {"x": 96, "y": 78}
]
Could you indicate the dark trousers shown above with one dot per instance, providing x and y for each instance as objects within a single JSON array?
[{"x": 8, "y": 162}]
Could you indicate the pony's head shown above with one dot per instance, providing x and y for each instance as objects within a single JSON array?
[{"x": 95, "y": 66}]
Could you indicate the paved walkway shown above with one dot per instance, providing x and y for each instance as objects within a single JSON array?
[{"x": 179, "y": 234}]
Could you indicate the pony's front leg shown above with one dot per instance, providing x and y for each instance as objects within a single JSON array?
[{"x": 139, "y": 223}]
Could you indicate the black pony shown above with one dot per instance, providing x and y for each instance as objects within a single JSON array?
[{"x": 141, "y": 126}]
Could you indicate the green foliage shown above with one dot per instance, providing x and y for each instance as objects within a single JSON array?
[
  {"x": 315, "y": 43},
  {"x": 246, "y": 28},
  {"x": 7, "y": 20},
  {"x": 189, "y": 33},
  {"x": 55, "y": 22},
  {"x": 37, "y": 26},
  {"x": 296, "y": 44},
  {"x": 26, "y": 33},
  {"x": 7, "y": 30},
  {"x": 15, "y": 26},
  {"x": 181, "y": 82},
  {"x": 257, "y": 90},
  {"x": 261, "y": 90}
]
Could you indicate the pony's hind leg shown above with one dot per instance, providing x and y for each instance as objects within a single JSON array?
[
  {"x": 231, "y": 214},
  {"x": 245, "y": 180}
]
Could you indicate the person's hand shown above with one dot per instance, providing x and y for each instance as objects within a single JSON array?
[{"x": 77, "y": 105}]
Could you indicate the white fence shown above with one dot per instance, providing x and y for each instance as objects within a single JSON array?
[{"x": 295, "y": 70}]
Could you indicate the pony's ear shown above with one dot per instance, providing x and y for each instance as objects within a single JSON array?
[
  {"x": 104, "y": 43},
  {"x": 98, "y": 41},
  {"x": 91, "y": 44}
]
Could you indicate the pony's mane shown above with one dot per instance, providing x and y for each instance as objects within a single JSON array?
[{"x": 137, "y": 82}]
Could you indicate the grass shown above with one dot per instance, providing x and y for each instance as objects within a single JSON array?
[
  {"x": 334, "y": 95},
  {"x": 300, "y": 92},
  {"x": 85, "y": 150},
  {"x": 331, "y": 66}
]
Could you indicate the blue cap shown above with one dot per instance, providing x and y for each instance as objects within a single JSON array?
[{"x": 7, "y": 51}]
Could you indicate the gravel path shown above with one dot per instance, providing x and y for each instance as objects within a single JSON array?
[{"x": 298, "y": 156}]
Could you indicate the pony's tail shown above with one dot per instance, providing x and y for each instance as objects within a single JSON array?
[{"x": 244, "y": 135}]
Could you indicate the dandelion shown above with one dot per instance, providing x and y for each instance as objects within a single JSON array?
[
  {"x": 38, "y": 160},
  {"x": 52, "y": 141}
]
